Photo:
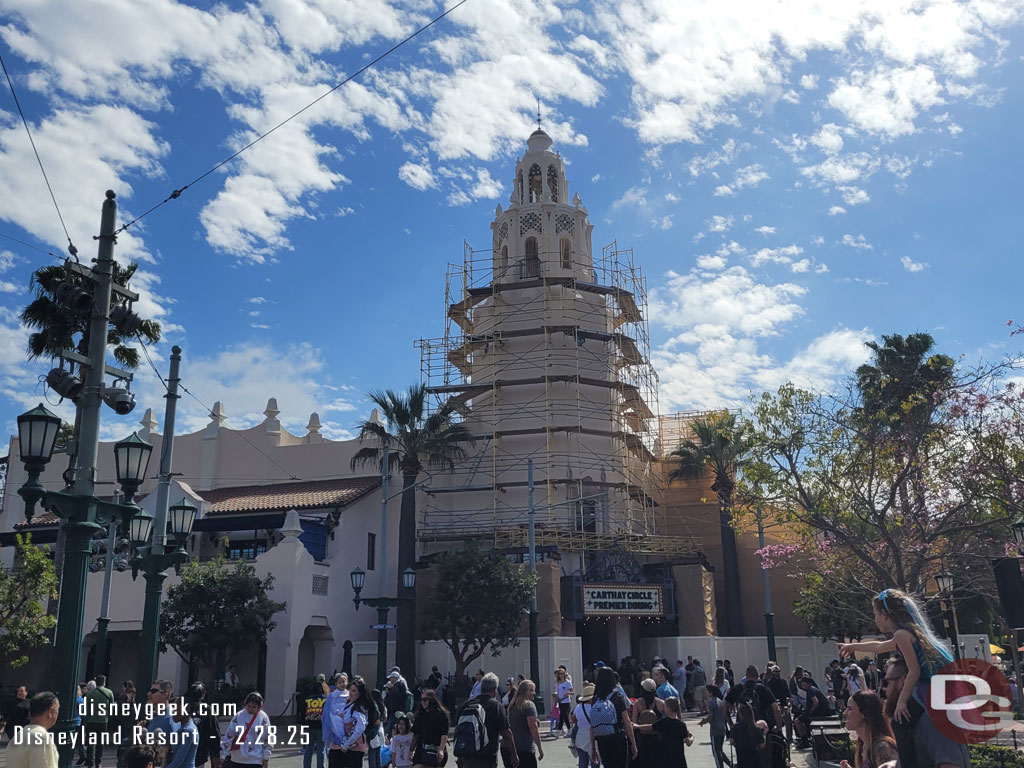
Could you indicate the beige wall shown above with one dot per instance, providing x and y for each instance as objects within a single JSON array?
[{"x": 691, "y": 509}]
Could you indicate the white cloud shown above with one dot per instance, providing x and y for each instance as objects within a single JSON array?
[
  {"x": 836, "y": 210},
  {"x": 728, "y": 152},
  {"x": 829, "y": 139},
  {"x": 707, "y": 261},
  {"x": 913, "y": 266},
  {"x": 664, "y": 223},
  {"x": 809, "y": 82},
  {"x": 845, "y": 169},
  {"x": 714, "y": 358},
  {"x": 720, "y": 223},
  {"x": 821, "y": 269},
  {"x": 257, "y": 300},
  {"x": 783, "y": 255},
  {"x": 853, "y": 195},
  {"x": 799, "y": 267},
  {"x": 766, "y": 230},
  {"x": 818, "y": 240},
  {"x": 485, "y": 187},
  {"x": 887, "y": 102},
  {"x": 633, "y": 196},
  {"x": 345, "y": 210},
  {"x": 729, "y": 301},
  {"x": 857, "y": 242},
  {"x": 417, "y": 175},
  {"x": 672, "y": 198},
  {"x": 748, "y": 176}
]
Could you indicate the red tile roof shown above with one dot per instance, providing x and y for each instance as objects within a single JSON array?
[
  {"x": 307, "y": 494},
  {"x": 284, "y": 496},
  {"x": 41, "y": 519}
]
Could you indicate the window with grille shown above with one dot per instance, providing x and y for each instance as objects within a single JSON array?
[
  {"x": 320, "y": 585},
  {"x": 553, "y": 183},
  {"x": 532, "y": 264},
  {"x": 535, "y": 183},
  {"x": 530, "y": 221},
  {"x": 565, "y": 223},
  {"x": 566, "y": 252}
]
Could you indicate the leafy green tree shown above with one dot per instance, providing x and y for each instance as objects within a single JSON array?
[
  {"x": 215, "y": 607},
  {"x": 719, "y": 445},
  {"x": 24, "y": 622},
  {"x": 906, "y": 474},
  {"x": 412, "y": 439},
  {"x": 478, "y": 603}
]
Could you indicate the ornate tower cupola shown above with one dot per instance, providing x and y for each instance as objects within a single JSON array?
[{"x": 541, "y": 234}]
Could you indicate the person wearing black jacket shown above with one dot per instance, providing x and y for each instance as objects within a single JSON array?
[
  {"x": 17, "y": 714},
  {"x": 209, "y": 728}
]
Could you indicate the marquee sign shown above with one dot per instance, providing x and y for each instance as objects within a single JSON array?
[{"x": 622, "y": 600}]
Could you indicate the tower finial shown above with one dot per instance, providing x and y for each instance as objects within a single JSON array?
[{"x": 538, "y": 112}]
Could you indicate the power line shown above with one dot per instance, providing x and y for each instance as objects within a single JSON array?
[
  {"x": 177, "y": 192},
  {"x": 33, "y": 247},
  {"x": 145, "y": 351},
  {"x": 71, "y": 246}
]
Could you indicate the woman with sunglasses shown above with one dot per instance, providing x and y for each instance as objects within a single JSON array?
[{"x": 430, "y": 732}]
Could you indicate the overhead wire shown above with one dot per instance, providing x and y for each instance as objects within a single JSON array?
[
  {"x": 71, "y": 246},
  {"x": 33, "y": 247},
  {"x": 175, "y": 194}
]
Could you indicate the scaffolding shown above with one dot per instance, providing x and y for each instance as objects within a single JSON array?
[{"x": 549, "y": 359}]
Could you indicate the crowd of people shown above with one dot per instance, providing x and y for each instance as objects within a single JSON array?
[{"x": 621, "y": 717}]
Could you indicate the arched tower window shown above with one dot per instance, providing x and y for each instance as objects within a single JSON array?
[
  {"x": 520, "y": 183},
  {"x": 532, "y": 263},
  {"x": 553, "y": 183},
  {"x": 504, "y": 259},
  {"x": 565, "y": 248},
  {"x": 535, "y": 183}
]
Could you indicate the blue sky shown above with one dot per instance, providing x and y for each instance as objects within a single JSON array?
[{"x": 794, "y": 178}]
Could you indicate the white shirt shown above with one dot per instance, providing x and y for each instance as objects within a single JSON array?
[
  {"x": 564, "y": 692},
  {"x": 583, "y": 725},
  {"x": 24, "y": 753},
  {"x": 476, "y": 689}
]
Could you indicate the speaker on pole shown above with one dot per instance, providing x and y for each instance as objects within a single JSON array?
[{"x": 1010, "y": 585}]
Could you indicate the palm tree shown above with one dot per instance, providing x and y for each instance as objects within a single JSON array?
[
  {"x": 411, "y": 439},
  {"x": 718, "y": 447},
  {"x": 56, "y": 326}
]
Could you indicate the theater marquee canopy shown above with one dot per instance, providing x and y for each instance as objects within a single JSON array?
[{"x": 623, "y": 600}]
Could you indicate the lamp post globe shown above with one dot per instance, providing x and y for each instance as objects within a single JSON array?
[
  {"x": 139, "y": 528},
  {"x": 131, "y": 460},
  {"x": 182, "y": 516},
  {"x": 944, "y": 581},
  {"x": 358, "y": 577},
  {"x": 408, "y": 578},
  {"x": 37, "y": 435}
]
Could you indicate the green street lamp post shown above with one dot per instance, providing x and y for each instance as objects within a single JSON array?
[
  {"x": 154, "y": 566},
  {"x": 383, "y": 606},
  {"x": 81, "y": 517}
]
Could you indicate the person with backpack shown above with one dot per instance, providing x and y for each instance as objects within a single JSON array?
[
  {"x": 747, "y": 738},
  {"x": 612, "y": 741},
  {"x": 396, "y": 698},
  {"x": 430, "y": 732},
  {"x": 481, "y": 721}
]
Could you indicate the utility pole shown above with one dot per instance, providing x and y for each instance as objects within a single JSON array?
[
  {"x": 769, "y": 617},
  {"x": 81, "y": 510},
  {"x": 156, "y": 562},
  {"x": 385, "y": 474},
  {"x": 534, "y": 643}
]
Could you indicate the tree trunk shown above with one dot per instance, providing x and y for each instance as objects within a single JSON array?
[
  {"x": 405, "y": 635},
  {"x": 730, "y": 563}
]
